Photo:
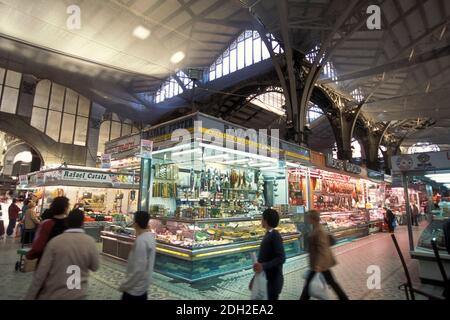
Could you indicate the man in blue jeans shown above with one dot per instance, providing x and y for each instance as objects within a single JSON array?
[{"x": 13, "y": 215}]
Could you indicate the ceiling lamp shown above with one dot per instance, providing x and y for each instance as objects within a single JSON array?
[
  {"x": 141, "y": 32},
  {"x": 177, "y": 57}
]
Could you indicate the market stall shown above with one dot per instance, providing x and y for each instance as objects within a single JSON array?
[
  {"x": 104, "y": 196},
  {"x": 434, "y": 166},
  {"x": 395, "y": 200},
  {"x": 349, "y": 202},
  {"x": 206, "y": 199}
]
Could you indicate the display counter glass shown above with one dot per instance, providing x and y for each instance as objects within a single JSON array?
[
  {"x": 206, "y": 209},
  {"x": 434, "y": 230}
]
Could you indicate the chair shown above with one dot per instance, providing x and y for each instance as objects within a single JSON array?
[
  {"x": 446, "y": 293},
  {"x": 410, "y": 291}
]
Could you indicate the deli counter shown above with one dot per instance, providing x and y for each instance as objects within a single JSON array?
[{"x": 207, "y": 247}]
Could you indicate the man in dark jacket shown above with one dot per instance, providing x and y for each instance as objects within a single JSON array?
[
  {"x": 389, "y": 219},
  {"x": 271, "y": 255},
  {"x": 13, "y": 215}
]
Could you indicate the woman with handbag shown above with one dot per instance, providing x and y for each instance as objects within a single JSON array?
[{"x": 321, "y": 258}]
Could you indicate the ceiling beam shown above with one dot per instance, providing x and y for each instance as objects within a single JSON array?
[{"x": 396, "y": 65}]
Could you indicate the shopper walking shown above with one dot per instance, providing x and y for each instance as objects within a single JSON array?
[
  {"x": 31, "y": 222},
  {"x": 140, "y": 261},
  {"x": 52, "y": 226},
  {"x": 321, "y": 258},
  {"x": 415, "y": 215},
  {"x": 271, "y": 255},
  {"x": 63, "y": 271},
  {"x": 13, "y": 216},
  {"x": 389, "y": 219}
]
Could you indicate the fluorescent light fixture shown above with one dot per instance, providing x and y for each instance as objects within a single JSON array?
[
  {"x": 141, "y": 32},
  {"x": 177, "y": 57},
  {"x": 179, "y": 147},
  {"x": 216, "y": 156},
  {"x": 439, "y": 177},
  {"x": 236, "y": 161},
  {"x": 237, "y": 152},
  {"x": 270, "y": 168},
  {"x": 292, "y": 164},
  {"x": 261, "y": 164},
  {"x": 179, "y": 153}
]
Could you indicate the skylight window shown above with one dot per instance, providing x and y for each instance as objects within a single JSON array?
[{"x": 357, "y": 95}]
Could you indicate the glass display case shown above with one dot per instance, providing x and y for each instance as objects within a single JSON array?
[
  {"x": 346, "y": 225},
  {"x": 434, "y": 230},
  {"x": 428, "y": 267},
  {"x": 206, "y": 209}
]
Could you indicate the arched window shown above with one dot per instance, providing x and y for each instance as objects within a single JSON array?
[
  {"x": 271, "y": 101},
  {"x": 9, "y": 90},
  {"x": 61, "y": 113},
  {"x": 313, "y": 113},
  {"x": 420, "y": 147},
  {"x": 328, "y": 69},
  {"x": 246, "y": 50}
]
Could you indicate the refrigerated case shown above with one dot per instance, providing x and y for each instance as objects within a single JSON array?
[
  {"x": 341, "y": 200},
  {"x": 206, "y": 205},
  {"x": 196, "y": 249},
  {"x": 423, "y": 252}
]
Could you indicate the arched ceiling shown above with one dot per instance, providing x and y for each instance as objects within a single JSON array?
[{"x": 403, "y": 70}]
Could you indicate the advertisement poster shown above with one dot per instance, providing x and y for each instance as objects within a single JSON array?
[
  {"x": 23, "y": 180},
  {"x": 146, "y": 148},
  {"x": 421, "y": 161},
  {"x": 106, "y": 161}
]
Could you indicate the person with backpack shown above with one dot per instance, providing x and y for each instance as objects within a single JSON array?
[
  {"x": 54, "y": 225},
  {"x": 321, "y": 258}
]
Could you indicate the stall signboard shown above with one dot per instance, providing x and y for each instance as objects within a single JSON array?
[
  {"x": 427, "y": 161},
  {"x": 23, "y": 180},
  {"x": 164, "y": 131},
  {"x": 53, "y": 177},
  {"x": 146, "y": 148},
  {"x": 123, "y": 147},
  {"x": 334, "y": 163},
  {"x": 352, "y": 168},
  {"x": 317, "y": 159},
  {"x": 106, "y": 161},
  {"x": 375, "y": 175},
  {"x": 342, "y": 165},
  {"x": 36, "y": 179}
]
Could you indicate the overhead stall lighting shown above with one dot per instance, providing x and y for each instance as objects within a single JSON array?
[{"x": 141, "y": 32}]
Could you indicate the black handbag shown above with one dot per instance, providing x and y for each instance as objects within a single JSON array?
[{"x": 332, "y": 240}]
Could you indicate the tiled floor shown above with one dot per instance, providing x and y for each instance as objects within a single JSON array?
[{"x": 351, "y": 272}]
